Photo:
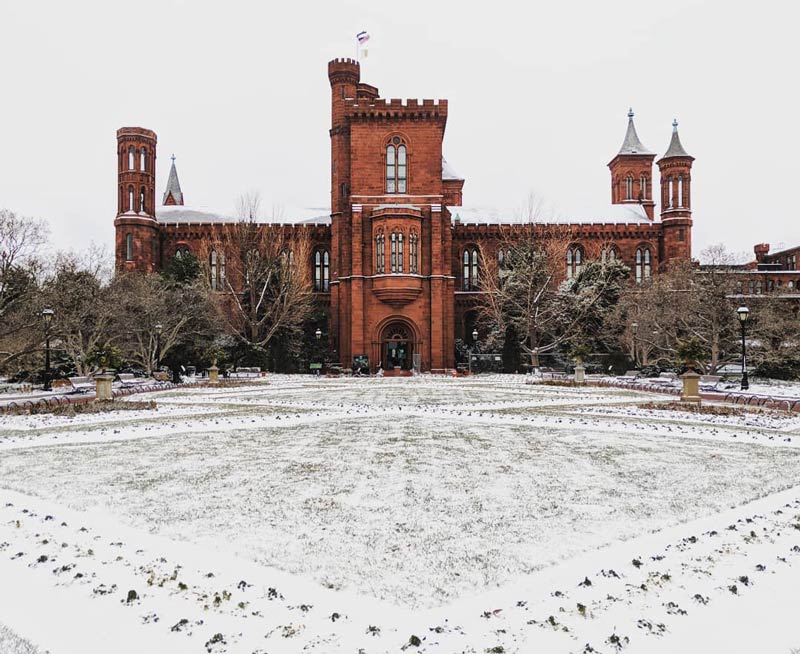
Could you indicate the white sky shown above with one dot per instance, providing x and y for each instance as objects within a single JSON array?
[{"x": 538, "y": 97}]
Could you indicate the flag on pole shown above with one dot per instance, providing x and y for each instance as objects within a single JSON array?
[{"x": 362, "y": 37}]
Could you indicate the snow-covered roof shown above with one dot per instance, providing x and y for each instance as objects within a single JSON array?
[
  {"x": 675, "y": 147},
  {"x": 196, "y": 215},
  {"x": 448, "y": 172},
  {"x": 613, "y": 213},
  {"x": 632, "y": 144}
]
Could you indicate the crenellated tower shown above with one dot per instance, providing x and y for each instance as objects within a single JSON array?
[
  {"x": 632, "y": 172},
  {"x": 136, "y": 226},
  {"x": 676, "y": 199},
  {"x": 344, "y": 76}
]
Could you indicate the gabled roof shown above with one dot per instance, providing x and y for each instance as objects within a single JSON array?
[
  {"x": 173, "y": 186},
  {"x": 632, "y": 144},
  {"x": 675, "y": 147},
  {"x": 448, "y": 172}
]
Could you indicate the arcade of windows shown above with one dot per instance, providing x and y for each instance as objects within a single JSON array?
[
  {"x": 397, "y": 243},
  {"x": 137, "y": 205},
  {"x": 322, "y": 271},
  {"x": 133, "y": 155},
  {"x": 629, "y": 187},
  {"x": 469, "y": 267}
]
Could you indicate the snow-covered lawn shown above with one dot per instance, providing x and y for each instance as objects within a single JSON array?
[{"x": 444, "y": 515}]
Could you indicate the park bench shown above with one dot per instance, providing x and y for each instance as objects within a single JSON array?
[
  {"x": 670, "y": 376},
  {"x": 553, "y": 373},
  {"x": 246, "y": 373},
  {"x": 710, "y": 382},
  {"x": 81, "y": 384},
  {"x": 129, "y": 379}
]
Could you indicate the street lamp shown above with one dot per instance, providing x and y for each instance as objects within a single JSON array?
[
  {"x": 47, "y": 314},
  {"x": 634, "y": 329},
  {"x": 744, "y": 314},
  {"x": 474, "y": 343},
  {"x": 318, "y": 334},
  {"x": 159, "y": 329}
]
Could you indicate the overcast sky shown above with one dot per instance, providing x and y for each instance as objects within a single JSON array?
[{"x": 538, "y": 94}]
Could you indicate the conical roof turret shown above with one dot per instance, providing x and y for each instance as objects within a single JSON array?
[
  {"x": 173, "y": 194},
  {"x": 675, "y": 147},
  {"x": 632, "y": 144}
]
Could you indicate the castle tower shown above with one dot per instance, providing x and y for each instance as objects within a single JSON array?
[
  {"x": 136, "y": 226},
  {"x": 173, "y": 194},
  {"x": 632, "y": 172},
  {"x": 676, "y": 199},
  {"x": 344, "y": 76}
]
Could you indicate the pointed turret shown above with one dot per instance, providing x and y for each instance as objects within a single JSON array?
[
  {"x": 631, "y": 172},
  {"x": 676, "y": 198},
  {"x": 632, "y": 144},
  {"x": 675, "y": 146},
  {"x": 173, "y": 194}
]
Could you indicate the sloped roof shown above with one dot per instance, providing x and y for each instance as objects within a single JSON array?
[
  {"x": 448, "y": 172},
  {"x": 632, "y": 144},
  {"x": 172, "y": 215},
  {"x": 675, "y": 147},
  {"x": 173, "y": 185},
  {"x": 612, "y": 213}
]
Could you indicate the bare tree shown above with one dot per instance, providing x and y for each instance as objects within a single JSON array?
[{"x": 261, "y": 273}]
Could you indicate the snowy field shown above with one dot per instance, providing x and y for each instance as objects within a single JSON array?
[{"x": 431, "y": 515}]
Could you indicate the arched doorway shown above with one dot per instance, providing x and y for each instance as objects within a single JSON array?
[{"x": 397, "y": 346}]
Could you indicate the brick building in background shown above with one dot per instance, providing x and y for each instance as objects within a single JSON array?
[{"x": 395, "y": 261}]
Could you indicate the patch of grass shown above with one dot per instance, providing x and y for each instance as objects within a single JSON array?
[
  {"x": 71, "y": 410},
  {"x": 690, "y": 407}
]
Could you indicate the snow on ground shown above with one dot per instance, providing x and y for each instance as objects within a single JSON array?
[{"x": 439, "y": 515}]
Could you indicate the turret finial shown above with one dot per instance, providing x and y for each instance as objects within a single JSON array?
[
  {"x": 630, "y": 112},
  {"x": 173, "y": 157},
  {"x": 674, "y": 124}
]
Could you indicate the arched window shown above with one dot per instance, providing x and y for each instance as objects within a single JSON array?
[
  {"x": 501, "y": 258},
  {"x": 396, "y": 166},
  {"x": 322, "y": 271},
  {"x": 413, "y": 252},
  {"x": 143, "y": 160},
  {"x": 470, "y": 269},
  {"x": 642, "y": 264},
  {"x": 222, "y": 271},
  {"x": 213, "y": 265},
  {"x": 629, "y": 187},
  {"x": 680, "y": 190},
  {"x": 130, "y": 158},
  {"x": 400, "y": 256},
  {"x": 643, "y": 185},
  {"x": 131, "y": 206},
  {"x": 141, "y": 200},
  {"x": 670, "y": 191},
  {"x": 380, "y": 253},
  {"x": 608, "y": 254},
  {"x": 129, "y": 247},
  {"x": 574, "y": 261}
]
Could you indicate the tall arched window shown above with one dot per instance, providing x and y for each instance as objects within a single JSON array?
[
  {"x": 470, "y": 269},
  {"x": 608, "y": 254},
  {"x": 629, "y": 187},
  {"x": 131, "y": 206},
  {"x": 400, "y": 255},
  {"x": 680, "y": 190},
  {"x": 213, "y": 265},
  {"x": 143, "y": 160},
  {"x": 141, "y": 200},
  {"x": 322, "y": 271},
  {"x": 396, "y": 166},
  {"x": 222, "y": 270},
  {"x": 574, "y": 261},
  {"x": 413, "y": 252},
  {"x": 643, "y": 185},
  {"x": 129, "y": 247},
  {"x": 130, "y": 158},
  {"x": 380, "y": 253},
  {"x": 642, "y": 264},
  {"x": 396, "y": 251},
  {"x": 670, "y": 191}
]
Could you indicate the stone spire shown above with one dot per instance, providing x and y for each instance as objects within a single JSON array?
[
  {"x": 675, "y": 147},
  {"x": 632, "y": 144},
  {"x": 173, "y": 194}
]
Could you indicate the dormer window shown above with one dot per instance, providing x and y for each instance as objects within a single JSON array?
[{"x": 396, "y": 166}]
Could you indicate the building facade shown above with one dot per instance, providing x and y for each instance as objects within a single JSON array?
[{"x": 396, "y": 262}]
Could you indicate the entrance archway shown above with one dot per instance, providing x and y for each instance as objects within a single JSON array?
[{"x": 397, "y": 346}]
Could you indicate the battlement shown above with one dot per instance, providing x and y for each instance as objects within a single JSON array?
[
  {"x": 344, "y": 69},
  {"x": 136, "y": 132},
  {"x": 396, "y": 107}
]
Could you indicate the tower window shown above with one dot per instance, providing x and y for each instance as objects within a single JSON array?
[
  {"x": 629, "y": 187},
  {"x": 141, "y": 200},
  {"x": 643, "y": 185},
  {"x": 143, "y": 160},
  {"x": 413, "y": 253},
  {"x": 131, "y": 206},
  {"x": 470, "y": 269},
  {"x": 642, "y": 264},
  {"x": 680, "y": 190},
  {"x": 130, "y": 158},
  {"x": 213, "y": 266},
  {"x": 380, "y": 253},
  {"x": 396, "y": 167},
  {"x": 322, "y": 271},
  {"x": 575, "y": 260},
  {"x": 129, "y": 247},
  {"x": 670, "y": 191}
]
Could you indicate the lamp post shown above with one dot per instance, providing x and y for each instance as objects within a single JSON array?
[
  {"x": 159, "y": 329},
  {"x": 47, "y": 314},
  {"x": 634, "y": 329},
  {"x": 318, "y": 334},
  {"x": 474, "y": 343},
  {"x": 744, "y": 314}
]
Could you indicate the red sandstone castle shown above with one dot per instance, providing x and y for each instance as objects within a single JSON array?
[{"x": 396, "y": 263}]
